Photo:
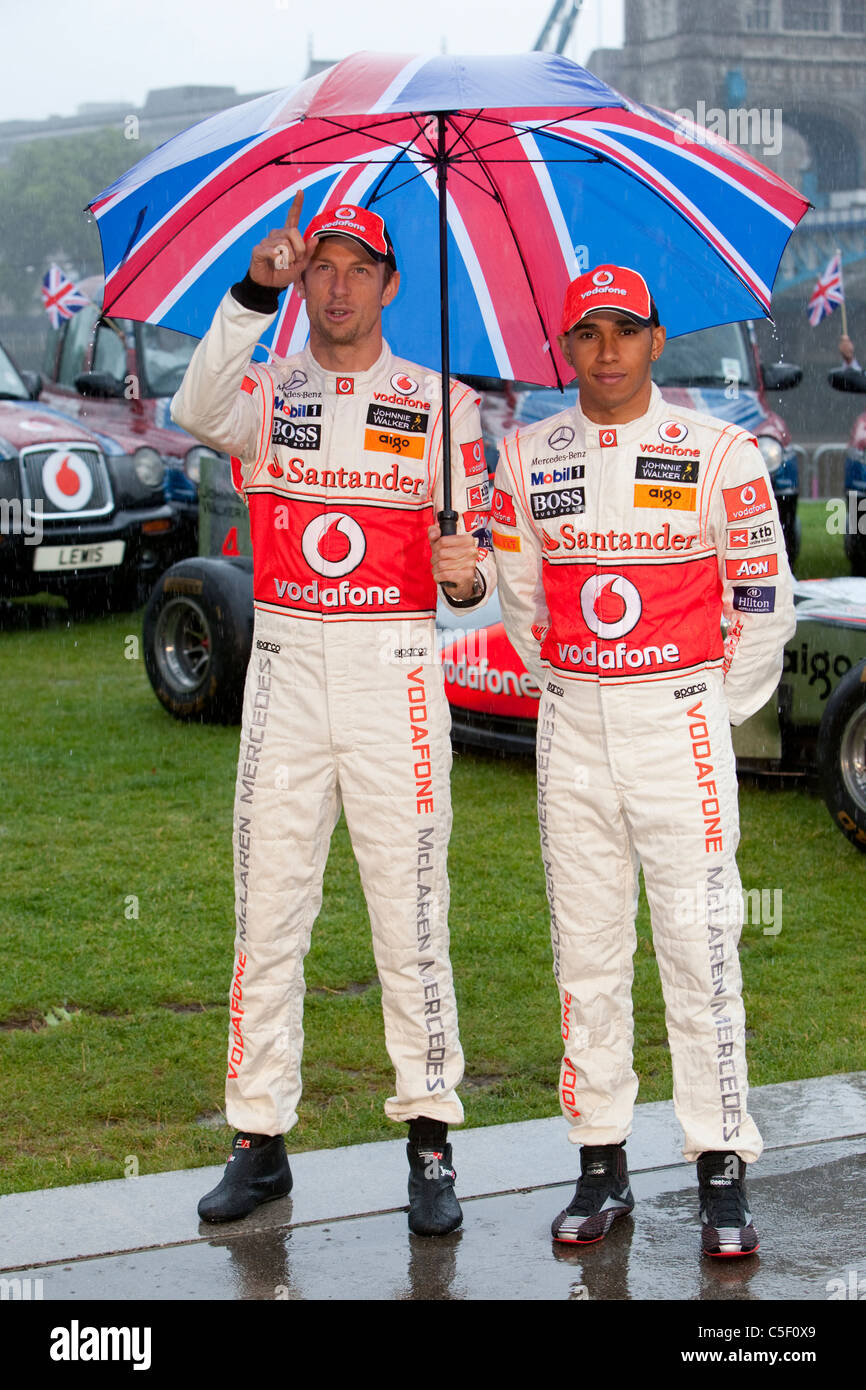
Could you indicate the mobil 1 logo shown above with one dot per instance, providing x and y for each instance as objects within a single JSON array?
[
  {"x": 666, "y": 470},
  {"x": 566, "y": 501}
]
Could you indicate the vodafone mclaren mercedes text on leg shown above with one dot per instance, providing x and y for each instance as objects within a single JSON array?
[
  {"x": 620, "y": 553},
  {"x": 344, "y": 704}
]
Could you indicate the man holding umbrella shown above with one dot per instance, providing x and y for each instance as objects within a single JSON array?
[
  {"x": 338, "y": 455},
  {"x": 625, "y": 529}
]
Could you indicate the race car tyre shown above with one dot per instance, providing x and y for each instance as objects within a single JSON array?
[
  {"x": 842, "y": 755},
  {"x": 791, "y": 529},
  {"x": 197, "y": 638},
  {"x": 855, "y": 549}
]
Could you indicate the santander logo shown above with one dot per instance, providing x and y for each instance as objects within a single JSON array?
[
  {"x": 66, "y": 481},
  {"x": 610, "y": 604},
  {"x": 333, "y": 544}
]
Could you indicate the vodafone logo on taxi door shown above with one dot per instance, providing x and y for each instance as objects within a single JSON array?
[
  {"x": 66, "y": 481},
  {"x": 333, "y": 544}
]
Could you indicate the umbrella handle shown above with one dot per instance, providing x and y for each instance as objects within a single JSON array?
[{"x": 447, "y": 520}]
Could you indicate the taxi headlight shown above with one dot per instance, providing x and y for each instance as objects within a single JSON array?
[
  {"x": 149, "y": 467},
  {"x": 771, "y": 451}
]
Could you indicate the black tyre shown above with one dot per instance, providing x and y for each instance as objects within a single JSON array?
[
  {"x": 791, "y": 529},
  {"x": 855, "y": 549},
  {"x": 198, "y": 628},
  {"x": 842, "y": 755}
]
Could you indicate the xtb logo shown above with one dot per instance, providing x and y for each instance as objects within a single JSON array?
[{"x": 610, "y": 604}]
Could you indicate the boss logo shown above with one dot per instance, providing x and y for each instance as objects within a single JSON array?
[{"x": 296, "y": 436}]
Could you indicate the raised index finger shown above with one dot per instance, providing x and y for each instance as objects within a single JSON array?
[{"x": 294, "y": 216}]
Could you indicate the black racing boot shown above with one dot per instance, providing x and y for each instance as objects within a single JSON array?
[
  {"x": 433, "y": 1206},
  {"x": 257, "y": 1171},
  {"x": 726, "y": 1222},
  {"x": 602, "y": 1194}
]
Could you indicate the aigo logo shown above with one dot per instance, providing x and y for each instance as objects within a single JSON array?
[
  {"x": 66, "y": 481},
  {"x": 610, "y": 604},
  {"x": 672, "y": 431},
  {"x": 333, "y": 544}
]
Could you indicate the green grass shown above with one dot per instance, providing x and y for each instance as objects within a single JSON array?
[
  {"x": 115, "y": 852},
  {"x": 822, "y": 554}
]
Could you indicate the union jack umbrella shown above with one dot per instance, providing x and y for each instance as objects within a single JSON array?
[
  {"x": 61, "y": 297},
  {"x": 828, "y": 292},
  {"x": 549, "y": 172}
]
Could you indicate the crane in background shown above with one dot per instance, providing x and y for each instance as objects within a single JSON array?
[{"x": 563, "y": 15}]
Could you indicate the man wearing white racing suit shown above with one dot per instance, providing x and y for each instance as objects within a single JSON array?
[
  {"x": 624, "y": 529},
  {"x": 338, "y": 454}
]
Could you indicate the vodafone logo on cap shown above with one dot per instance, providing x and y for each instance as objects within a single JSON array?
[
  {"x": 671, "y": 431},
  {"x": 346, "y": 214},
  {"x": 602, "y": 278},
  {"x": 66, "y": 481},
  {"x": 333, "y": 544},
  {"x": 610, "y": 604},
  {"x": 404, "y": 385}
]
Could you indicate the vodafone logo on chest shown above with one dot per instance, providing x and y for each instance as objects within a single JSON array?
[
  {"x": 672, "y": 431},
  {"x": 67, "y": 481},
  {"x": 607, "y": 439},
  {"x": 333, "y": 544},
  {"x": 404, "y": 385},
  {"x": 345, "y": 386},
  {"x": 610, "y": 604}
]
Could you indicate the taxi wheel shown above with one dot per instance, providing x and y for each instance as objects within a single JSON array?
[
  {"x": 197, "y": 639},
  {"x": 842, "y": 755}
]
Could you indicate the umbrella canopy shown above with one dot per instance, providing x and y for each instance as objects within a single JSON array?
[{"x": 549, "y": 172}]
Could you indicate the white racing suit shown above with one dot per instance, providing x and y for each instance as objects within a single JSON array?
[
  {"x": 344, "y": 701},
  {"x": 618, "y": 551}
]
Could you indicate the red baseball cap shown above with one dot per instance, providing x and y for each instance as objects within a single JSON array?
[
  {"x": 359, "y": 224},
  {"x": 609, "y": 287}
]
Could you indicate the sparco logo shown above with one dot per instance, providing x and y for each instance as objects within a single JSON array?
[
  {"x": 561, "y": 438},
  {"x": 267, "y": 647},
  {"x": 686, "y": 691},
  {"x": 333, "y": 544},
  {"x": 600, "y": 597}
]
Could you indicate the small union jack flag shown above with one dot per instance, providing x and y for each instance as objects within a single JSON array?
[
  {"x": 828, "y": 292},
  {"x": 61, "y": 296}
]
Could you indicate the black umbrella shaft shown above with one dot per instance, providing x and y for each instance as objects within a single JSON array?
[{"x": 447, "y": 517}]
